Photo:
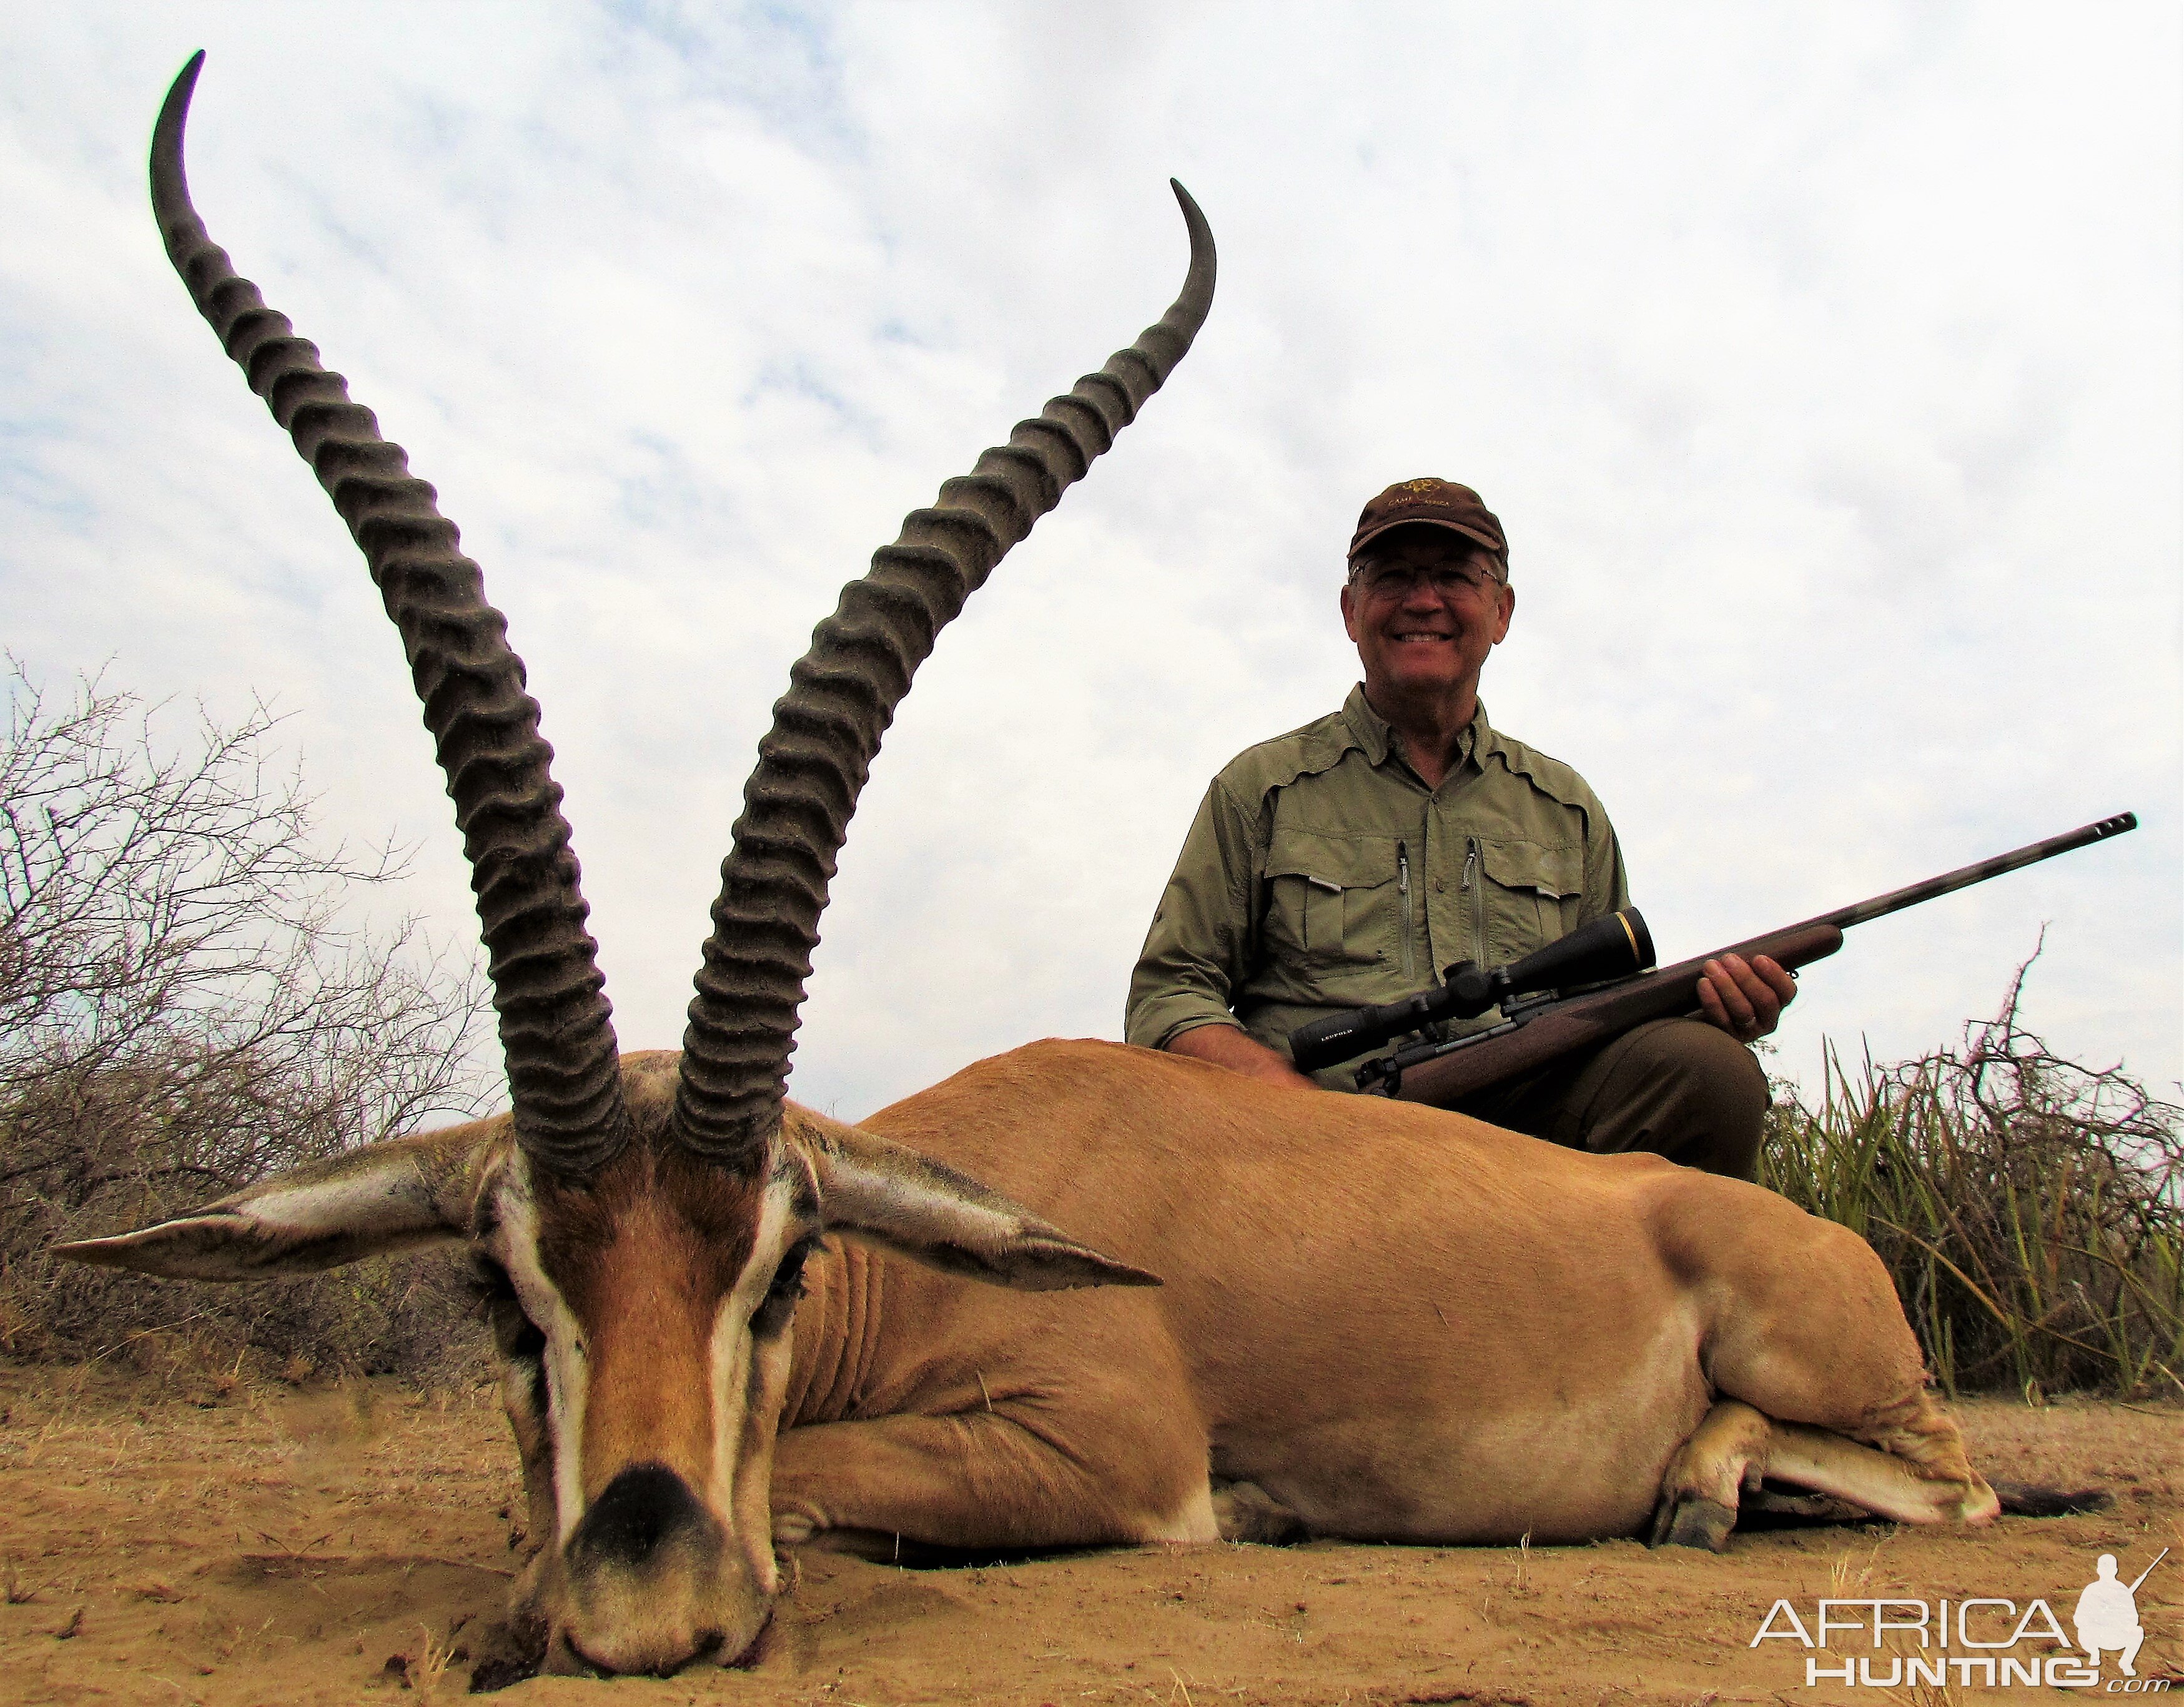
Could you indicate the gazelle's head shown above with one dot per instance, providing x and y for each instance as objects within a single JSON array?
[
  {"x": 642, "y": 1313},
  {"x": 639, "y": 1222}
]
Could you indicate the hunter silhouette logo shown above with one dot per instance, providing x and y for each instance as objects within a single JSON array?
[{"x": 2108, "y": 1613}]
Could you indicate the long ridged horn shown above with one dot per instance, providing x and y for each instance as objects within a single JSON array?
[
  {"x": 843, "y": 694},
  {"x": 556, "y": 1034}
]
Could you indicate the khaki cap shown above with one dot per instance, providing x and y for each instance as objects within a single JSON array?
[{"x": 1438, "y": 503}]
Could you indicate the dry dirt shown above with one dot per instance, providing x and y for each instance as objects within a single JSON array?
[{"x": 263, "y": 1544}]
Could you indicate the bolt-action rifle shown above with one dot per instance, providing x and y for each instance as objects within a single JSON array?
[{"x": 1591, "y": 985}]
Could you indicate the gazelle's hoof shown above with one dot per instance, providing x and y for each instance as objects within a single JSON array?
[
  {"x": 1694, "y": 1521},
  {"x": 1245, "y": 1511}
]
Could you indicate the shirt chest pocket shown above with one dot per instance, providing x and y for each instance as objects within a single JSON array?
[
  {"x": 1532, "y": 895},
  {"x": 1332, "y": 901}
]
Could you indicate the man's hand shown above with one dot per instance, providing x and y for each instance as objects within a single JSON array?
[
  {"x": 1231, "y": 1046},
  {"x": 1745, "y": 1000}
]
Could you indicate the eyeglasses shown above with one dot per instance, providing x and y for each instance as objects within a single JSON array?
[{"x": 1398, "y": 581}]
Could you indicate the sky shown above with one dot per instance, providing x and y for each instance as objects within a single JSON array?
[{"x": 1822, "y": 363}]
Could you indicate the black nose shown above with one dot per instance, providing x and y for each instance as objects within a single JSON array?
[{"x": 640, "y": 1510}]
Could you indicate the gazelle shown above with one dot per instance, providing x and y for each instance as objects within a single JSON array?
[{"x": 1378, "y": 1320}]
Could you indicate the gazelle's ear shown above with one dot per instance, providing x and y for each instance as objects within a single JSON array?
[
  {"x": 873, "y": 1189},
  {"x": 383, "y": 1198}
]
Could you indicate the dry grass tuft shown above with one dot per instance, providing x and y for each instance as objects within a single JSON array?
[
  {"x": 427, "y": 1669},
  {"x": 2032, "y": 1209},
  {"x": 13, "y": 1588}
]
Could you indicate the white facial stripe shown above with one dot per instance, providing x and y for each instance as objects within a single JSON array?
[
  {"x": 566, "y": 1368},
  {"x": 731, "y": 1347}
]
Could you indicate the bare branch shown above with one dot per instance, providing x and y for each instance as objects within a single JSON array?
[{"x": 186, "y": 1003}]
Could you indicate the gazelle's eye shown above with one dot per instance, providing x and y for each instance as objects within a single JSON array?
[
  {"x": 787, "y": 1285},
  {"x": 513, "y": 1332}
]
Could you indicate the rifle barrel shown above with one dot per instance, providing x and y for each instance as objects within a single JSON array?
[{"x": 1897, "y": 900}]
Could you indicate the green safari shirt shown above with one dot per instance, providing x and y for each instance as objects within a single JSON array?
[{"x": 1321, "y": 873}]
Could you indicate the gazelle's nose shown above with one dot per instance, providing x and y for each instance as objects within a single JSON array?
[
  {"x": 642, "y": 1510},
  {"x": 649, "y": 1584}
]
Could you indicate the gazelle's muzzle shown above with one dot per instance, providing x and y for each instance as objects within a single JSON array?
[{"x": 650, "y": 1581}]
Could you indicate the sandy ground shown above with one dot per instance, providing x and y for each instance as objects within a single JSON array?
[{"x": 270, "y": 1545}]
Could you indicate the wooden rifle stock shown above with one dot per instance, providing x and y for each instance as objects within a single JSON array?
[{"x": 1585, "y": 1021}]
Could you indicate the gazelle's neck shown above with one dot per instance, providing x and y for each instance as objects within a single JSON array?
[{"x": 836, "y": 1334}]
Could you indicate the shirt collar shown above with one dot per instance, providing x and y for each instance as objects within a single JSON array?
[{"x": 1372, "y": 736}]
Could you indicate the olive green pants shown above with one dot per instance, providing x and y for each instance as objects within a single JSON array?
[{"x": 1681, "y": 1088}]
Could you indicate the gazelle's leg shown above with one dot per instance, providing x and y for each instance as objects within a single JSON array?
[
  {"x": 1810, "y": 1332},
  {"x": 1901, "y": 1458},
  {"x": 1892, "y": 1484},
  {"x": 1919, "y": 1477},
  {"x": 1917, "y": 1430},
  {"x": 1700, "y": 1489},
  {"x": 983, "y": 1479}
]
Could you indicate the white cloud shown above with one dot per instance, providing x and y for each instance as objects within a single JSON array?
[{"x": 1823, "y": 363}]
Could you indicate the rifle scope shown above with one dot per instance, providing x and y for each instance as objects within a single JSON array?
[{"x": 1615, "y": 947}]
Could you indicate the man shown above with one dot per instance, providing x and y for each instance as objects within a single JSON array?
[{"x": 1355, "y": 859}]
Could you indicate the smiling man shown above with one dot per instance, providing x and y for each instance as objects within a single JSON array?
[{"x": 1355, "y": 859}]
